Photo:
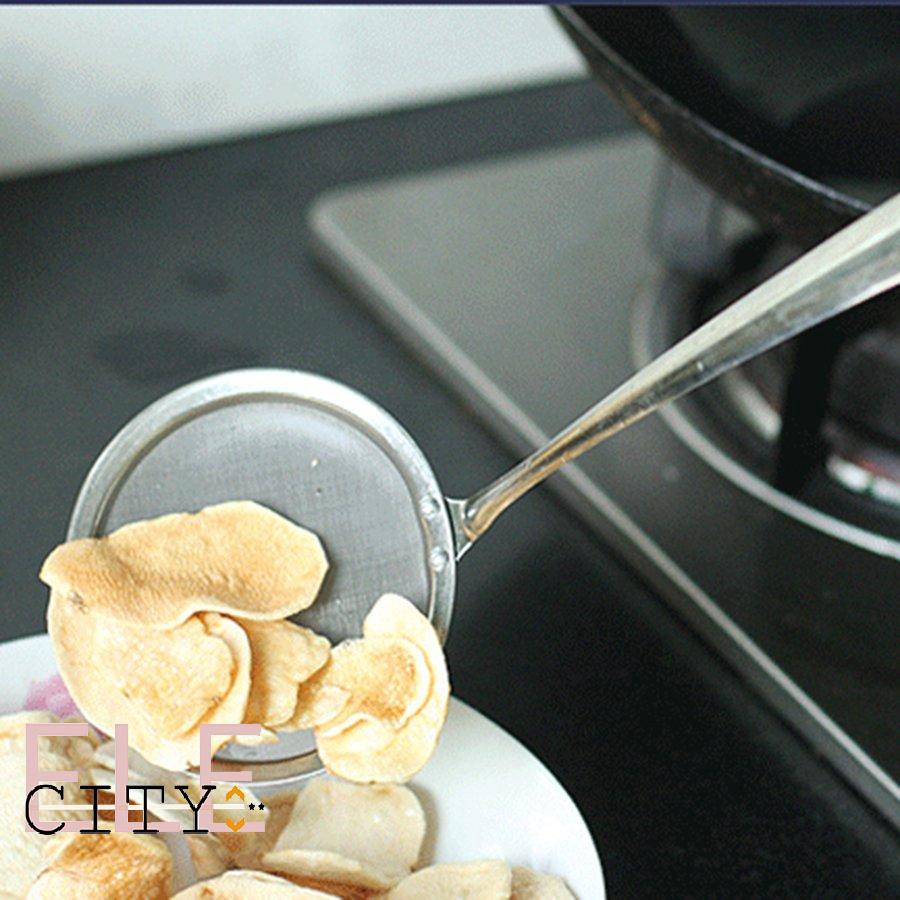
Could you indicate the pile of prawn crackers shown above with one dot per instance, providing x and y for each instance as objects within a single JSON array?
[
  {"x": 181, "y": 621},
  {"x": 172, "y": 623}
]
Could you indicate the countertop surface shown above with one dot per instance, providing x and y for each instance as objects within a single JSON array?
[{"x": 121, "y": 282}]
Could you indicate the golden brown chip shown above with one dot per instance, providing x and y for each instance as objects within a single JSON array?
[
  {"x": 488, "y": 879},
  {"x": 395, "y": 616},
  {"x": 329, "y": 871},
  {"x": 173, "y": 678},
  {"x": 240, "y": 885},
  {"x": 530, "y": 885},
  {"x": 12, "y": 725},
  {"x": 362, "y": 835},
  {"x": 284, "y": 656},
  {"x": 246, "y": 848},
  {"x": 113, "y": 866},
  {"x": 90, "y": 673},
  {"x": 387, "y": 678},
  {"x": 185, "y": 751},
  {"x": 236, "y": 558},
  {"x": 208, "y": 854},
  {"x": 81, "y": 750},
  {"x": 135, "y": 810},
  {"x": 265, "y": 736},
  {"x": 317, "y": 703},
  {"x": 363, "y": 740},
  {"x": 107, "y": 797},
  {"x": 217, "y": 851},
  {"x": 142, "y": 772},
  {"x": 219, "y": 796},
  {"x": 22, "y": 850},
  {"x": 332, "y": 889},
  {"x": 367, "y": 751}
]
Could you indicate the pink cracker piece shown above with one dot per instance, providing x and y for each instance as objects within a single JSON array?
[{"x": 50, "y": 694}]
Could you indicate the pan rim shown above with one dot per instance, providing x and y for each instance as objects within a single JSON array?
[{"x": 840, "y": 206}]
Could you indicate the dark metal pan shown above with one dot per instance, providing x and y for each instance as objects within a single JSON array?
[{"x": 791, "y": 113}]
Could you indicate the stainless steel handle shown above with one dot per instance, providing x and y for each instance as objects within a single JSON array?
[{"x": 859, "y": 262}]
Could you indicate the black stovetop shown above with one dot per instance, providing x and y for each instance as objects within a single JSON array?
[{"x": 120, "y": 282}]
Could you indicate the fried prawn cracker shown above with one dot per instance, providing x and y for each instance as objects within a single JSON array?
[{"x": 236, "y": 558}]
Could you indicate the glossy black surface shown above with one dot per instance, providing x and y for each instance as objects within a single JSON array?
[
  {"x": 790, "y": 112},
  {"x": 122, "y": 281}
]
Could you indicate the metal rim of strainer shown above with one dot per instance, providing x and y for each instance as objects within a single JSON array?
[{"x": 143, "y": 432}]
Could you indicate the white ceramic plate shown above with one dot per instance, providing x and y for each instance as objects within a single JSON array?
[{"x": 484, "y": 794}]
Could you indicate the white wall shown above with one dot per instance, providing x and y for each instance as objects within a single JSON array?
[{"x": 96, "y": 82}]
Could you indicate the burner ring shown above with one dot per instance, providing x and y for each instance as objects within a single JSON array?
[{"x": 645, "y": 308}]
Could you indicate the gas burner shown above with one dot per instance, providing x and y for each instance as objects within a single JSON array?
[
  {"x": 815, "y": 419},
  {"x": 858, "y": 398}
]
